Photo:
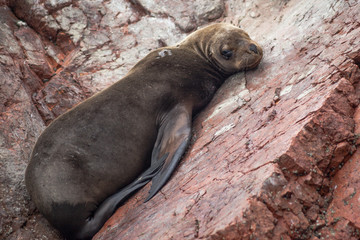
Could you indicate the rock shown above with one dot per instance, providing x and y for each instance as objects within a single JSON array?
[
  {"x": 72, "y": 21},
  {"x": 254, "y": 14},
  {"x": 54, "y": 5},
  {"x": 263, "y": 165},
  {"x": 186, "y": 14},
  {"x": 37, "y": 16},
  {"x": 272, "y": 157},
  {"x": 346, "y": 194},
  {"x": 20, "y": 126},
  {"x": 118, "y": 13}
]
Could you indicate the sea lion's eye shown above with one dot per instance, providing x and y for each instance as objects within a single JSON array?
[{"x": 226, "y": 54}]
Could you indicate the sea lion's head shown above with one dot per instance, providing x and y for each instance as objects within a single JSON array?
[
  {"x": 227, "y": 47},
  {"x": 232, "y": 50}
]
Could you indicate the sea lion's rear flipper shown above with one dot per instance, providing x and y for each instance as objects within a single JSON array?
[
  {"x": 97, "y": 219},
  {"x": 172, "y": 140}
]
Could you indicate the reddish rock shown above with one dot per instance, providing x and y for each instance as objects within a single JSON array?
[
  {"x": 264, "y": 152},
  {"x": 346, "y": 195},
  {"x": 272, "y": 157},
  {"x": 357, "y": 126}
]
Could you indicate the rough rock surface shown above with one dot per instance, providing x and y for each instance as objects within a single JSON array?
[{"x": 272, "y": 157}]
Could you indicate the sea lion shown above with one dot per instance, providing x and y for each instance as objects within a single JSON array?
[{"x": 93, "y": 157}]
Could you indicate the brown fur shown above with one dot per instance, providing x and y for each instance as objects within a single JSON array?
[{"x": 94, "y": 156}]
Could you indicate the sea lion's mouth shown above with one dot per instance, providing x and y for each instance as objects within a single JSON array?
[{"x": 255, "y": 64}]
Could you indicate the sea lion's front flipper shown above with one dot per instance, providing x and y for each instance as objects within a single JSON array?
[{"x": 172, "y": 140}]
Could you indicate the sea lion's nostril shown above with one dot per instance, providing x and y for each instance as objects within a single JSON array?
[{"x": 253, "y": 48}]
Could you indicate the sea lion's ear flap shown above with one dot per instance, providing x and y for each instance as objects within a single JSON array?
[{"x": 173, "y": 137}]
